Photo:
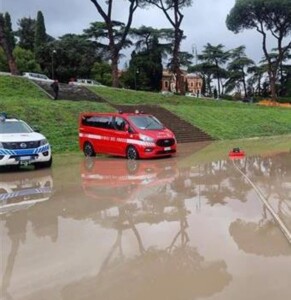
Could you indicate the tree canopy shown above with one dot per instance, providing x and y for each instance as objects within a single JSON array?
[
  {"x": 116, "y": 41},
  {"x": 266, "y": 16}
]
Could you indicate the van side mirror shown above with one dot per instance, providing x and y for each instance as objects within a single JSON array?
[{"x": 126, "y": 127}]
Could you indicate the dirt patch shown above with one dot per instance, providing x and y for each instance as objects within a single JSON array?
[{"x": 267, "y": 102}]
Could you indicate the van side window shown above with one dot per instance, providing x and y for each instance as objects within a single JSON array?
[
  {"x": 97, "y": 121},
  {"x": 119, "y": 123}
]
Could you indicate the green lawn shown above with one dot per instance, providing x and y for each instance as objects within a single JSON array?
[
  {"x": 219, "y": 118},
  {"x": 58, "y": 120}
]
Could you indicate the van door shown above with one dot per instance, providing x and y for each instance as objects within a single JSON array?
[
  {"x": 97, "y": 129},
  {"x": 121, "y": 136}
]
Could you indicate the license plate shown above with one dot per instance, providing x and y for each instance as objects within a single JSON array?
[
  {"x": 167, "y": 148},
  {"x": 25, "y": 158}
]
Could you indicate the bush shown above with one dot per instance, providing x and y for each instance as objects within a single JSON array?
[{"x": 226, "y": 97}]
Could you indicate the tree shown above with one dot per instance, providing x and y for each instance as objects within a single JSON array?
[
  {"x": 25, "y": 60},
  {"x": 151, "y": 47},
  {"x": 215, "y": 58},
  {"x": 145, "y": 67},
  {"x": 71, "y": 56},
  {"x": 6, "y": 43},
  {"x": 273, "y": 16},
  {"x": 116, "y": 41},
  {"x": 8, "y": 30},
  {"x": 256, "y": 79},
  {"x": 3, "y": 61},
  {"x": 205, "y": 70},
  {"x": 145, "y": 35},
  {"x": 175, "y": 20},
  {"x": 101, "y": 72},
  {"x": 26, "y": 33},
  {"x": 40, "y": 36},
  {"x": 185, "y": 59},
  {"x": 238, "y": 68}
]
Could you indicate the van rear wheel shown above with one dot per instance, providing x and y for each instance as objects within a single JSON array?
[
  {"x": 131, "y": 153},
  {"x": 88, "y": 149}
]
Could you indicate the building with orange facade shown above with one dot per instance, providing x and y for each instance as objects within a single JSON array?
[{"x": 193, "y": 82}]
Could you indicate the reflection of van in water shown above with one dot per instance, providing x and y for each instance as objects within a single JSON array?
[
  {"x": 131, "y": 135},
  {"x": 118, "y": 180}
]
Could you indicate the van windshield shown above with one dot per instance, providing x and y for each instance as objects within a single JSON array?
[
  {"x": 146, "y": 122},
  {"x": 14, "y": 127}
]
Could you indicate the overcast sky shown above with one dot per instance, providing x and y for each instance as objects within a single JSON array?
[{"x": 203, "y": 22}]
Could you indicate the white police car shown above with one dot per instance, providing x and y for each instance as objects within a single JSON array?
[{"x": 21, "y": 145}]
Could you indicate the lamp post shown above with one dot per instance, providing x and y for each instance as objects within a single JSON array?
[{"x": 53, "y": 71}]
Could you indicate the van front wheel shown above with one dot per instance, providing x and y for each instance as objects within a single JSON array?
[
  {"x": 131, "y": 153},
  {"x": 88, "y": 149}
]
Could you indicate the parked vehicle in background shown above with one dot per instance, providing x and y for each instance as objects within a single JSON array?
[
  {"x": 21, "y": 145},
  {"x": 85, "y": 82},
  {"x": 37, "y": 76},
  {"x": 131, "y": 135}
]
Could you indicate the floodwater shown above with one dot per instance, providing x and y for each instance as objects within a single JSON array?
[{"x": 189, "y": 227}]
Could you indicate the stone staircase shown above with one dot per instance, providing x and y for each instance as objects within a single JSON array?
[
  {"x": 70, "y": 92},
  {"x": 184, "y": 131}
]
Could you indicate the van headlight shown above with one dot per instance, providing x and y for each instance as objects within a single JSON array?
[
  {"x": 1, "y": 146},
  {"x": 146, "y": 138},
  {"x": 43, "y": 142}
]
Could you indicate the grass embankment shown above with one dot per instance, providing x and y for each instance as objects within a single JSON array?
[
  {"x": 58, "y": 120},
  {"x": 219, "y": 118}
]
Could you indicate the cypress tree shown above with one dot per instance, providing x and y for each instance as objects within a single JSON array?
[
  {"x": 8, "y": 31},
  {"x": 5, "y": 43},
  {"x": 40, "y": 36}
]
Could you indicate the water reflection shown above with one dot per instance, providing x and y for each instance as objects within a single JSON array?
[
  {"x": 155, "y": 193},
  {"x": 261, "y": 238},
  {"x": 143, "y": 229},
  {"x": 274, "y": 173},
  {"x": 19, "y": 192},
  {"x": 22, "y": 190}
]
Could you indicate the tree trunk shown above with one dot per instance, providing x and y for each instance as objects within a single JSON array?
[
  {"x": 176, "y": 63},
  {"x": 245, "y": 86},
  {"x": 114, "y": 70},
  {"x": 272, "y": 76}
]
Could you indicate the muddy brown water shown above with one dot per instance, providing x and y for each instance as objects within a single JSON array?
[{"x": 187, "y": 227}]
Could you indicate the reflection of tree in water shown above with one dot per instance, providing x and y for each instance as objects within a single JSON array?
[
  {"x": 218, "y": 183},
  {"x": 43, "y": 225},
  {"x": 272, "y": 175},
  {"x": 17, "y": 220},
  {"x": 262, "y": 238},
  {"x": 176, "y": 272},
  {"x": 17, "y": 237}
]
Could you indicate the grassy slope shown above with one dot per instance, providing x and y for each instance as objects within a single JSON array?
[
  {"x": 58, "y": 120},
  {"x": 221, "y": 119}
]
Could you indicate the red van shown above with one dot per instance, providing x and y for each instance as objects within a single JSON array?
[{"x": 132, "y": 135}]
